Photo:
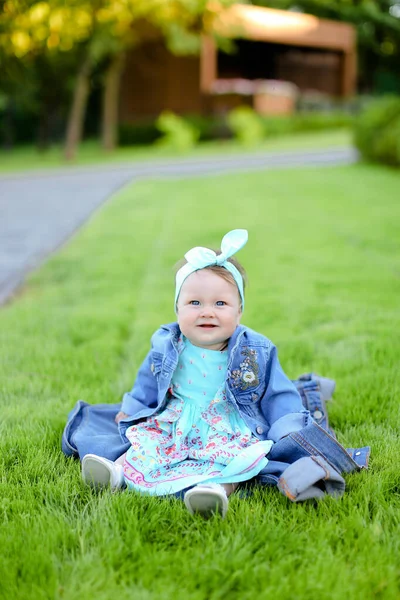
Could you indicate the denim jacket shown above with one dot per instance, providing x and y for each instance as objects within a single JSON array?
[
  {"x": 305, "y": 461},
  {"x": 255, "y": 383}
]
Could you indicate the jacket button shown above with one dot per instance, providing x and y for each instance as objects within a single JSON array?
[
  {"x": 254, "y": 397},
  {"x": 152, "y": 367},
  {"x": 318, "y": 414},
  {"x": 259, "y": 430}
]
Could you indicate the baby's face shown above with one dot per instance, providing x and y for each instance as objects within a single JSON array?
[{"x": 208, "y": 309}]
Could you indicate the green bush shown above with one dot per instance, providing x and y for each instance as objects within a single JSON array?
[
  {"x": 219, "y": 128},
  {"x": 377, "y": 131},
  {"x": 146, "y": 132},
  {"x": 322, "y": 121},
  {"x": 178, "y": 133},
  {"x": 277, "y": 125},
  {"x": 210, "y": 127},
  {"x": 303, "y": 122},
  {"x": 23, "y": 126},
  {"x": 246, "y": 125},
  {"x": 134, "y": 134},
  {"x": 388, "y": 144}
]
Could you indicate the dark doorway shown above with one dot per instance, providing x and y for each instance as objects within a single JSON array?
[{"x": 308, "y": 68}]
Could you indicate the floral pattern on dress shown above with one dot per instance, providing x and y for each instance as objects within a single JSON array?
[{"x": 188, "y": 444}]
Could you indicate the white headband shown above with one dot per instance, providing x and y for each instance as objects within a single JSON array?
[{"x": 199, "y": 258}]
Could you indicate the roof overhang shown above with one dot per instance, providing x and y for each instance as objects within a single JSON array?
[{"x": 284, "y": 27}]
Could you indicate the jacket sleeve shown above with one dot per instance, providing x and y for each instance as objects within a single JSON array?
[
  {"x": 144, "y": 392},
  {"x": 281, "y": 404}
]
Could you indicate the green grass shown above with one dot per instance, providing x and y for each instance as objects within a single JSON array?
[
  {"x": 27, "y": 157},
  {"x": 323, "y": 264}
]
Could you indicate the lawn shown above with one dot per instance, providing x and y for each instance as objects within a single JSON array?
[
  {"x": 27, "y": 157},
  {"x": 323, "y": 264}
]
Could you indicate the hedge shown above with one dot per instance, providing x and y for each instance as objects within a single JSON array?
[
  {"x": 377, "y": 131},
  {"x": 217, "y": 128}
]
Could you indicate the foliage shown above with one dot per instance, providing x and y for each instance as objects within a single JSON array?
[
  {"x": 93, "y": 35},
  {"x": 29, "y": 27},
  {"x": 211, "y": 127},
  {"x": 136, "y": 134},
  {"x": 219, "y": 127},
  {"x": 146, "y": 131},
  {"x": 246, "y": 125},
  {"x": 299, "y": 122},
  {"x": 377, "y": 131},
  {"x": 250, "y": 128},
  {"x": 177, "y": 133},
  {"x": 324, "y": 287}
]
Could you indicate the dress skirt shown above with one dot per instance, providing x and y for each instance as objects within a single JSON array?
[{"x": 189, "y": 443}]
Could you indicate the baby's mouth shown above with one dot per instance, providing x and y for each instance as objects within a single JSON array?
[{"x": 207, "y": 326}]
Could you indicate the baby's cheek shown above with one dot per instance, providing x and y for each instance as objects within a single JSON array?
[{"x": 184, "y": 325}]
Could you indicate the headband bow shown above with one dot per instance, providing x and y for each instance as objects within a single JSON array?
[{"x": 199, "y": 258}]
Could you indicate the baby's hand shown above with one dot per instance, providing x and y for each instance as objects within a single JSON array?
[{"x": 120, "y": 416}]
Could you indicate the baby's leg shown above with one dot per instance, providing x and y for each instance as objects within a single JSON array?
[
  {"x": 120, "y": 460},
  {"x": 99, "y": 472},
  {"x": 229, "y": 488}
]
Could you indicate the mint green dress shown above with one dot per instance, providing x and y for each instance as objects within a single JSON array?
[{"x": 199, "y": 437}]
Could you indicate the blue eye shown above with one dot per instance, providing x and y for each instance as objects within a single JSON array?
[
  {"x": 194, "y": 302},
  {"x": 220, "y": 303}
]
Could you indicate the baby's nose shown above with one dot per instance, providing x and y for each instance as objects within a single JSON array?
[{"x": 207, "y": 311}]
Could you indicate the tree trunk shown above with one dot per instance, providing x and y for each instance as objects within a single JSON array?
[
  {"x": 109, "y": 130},
  {"x": 78, "y": 109}
]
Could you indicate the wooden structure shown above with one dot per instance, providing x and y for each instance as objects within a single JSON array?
[{"x": 315, "y": 54}]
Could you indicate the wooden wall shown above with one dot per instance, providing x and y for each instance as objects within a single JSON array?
[
  {"x": 154, "y": 80},
  {"x": 311, "y": 70}
]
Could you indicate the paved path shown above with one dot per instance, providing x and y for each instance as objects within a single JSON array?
[{"x": 40, "y": 210}]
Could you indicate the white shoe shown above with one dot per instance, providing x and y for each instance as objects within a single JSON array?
[
  {"x": 99, "y": 472},
  {"x": 207, "y": 499}
]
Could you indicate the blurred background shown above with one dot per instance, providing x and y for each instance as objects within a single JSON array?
[{"x": 108, "y": 74}]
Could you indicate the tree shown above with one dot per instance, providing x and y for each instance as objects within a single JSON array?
[
  {"x": 44, "y": 40},
  {"x": 98, "y": 33}
]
